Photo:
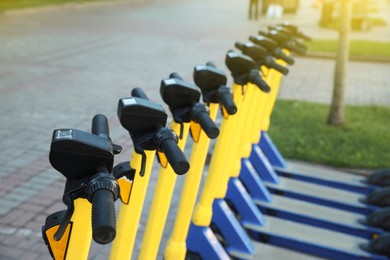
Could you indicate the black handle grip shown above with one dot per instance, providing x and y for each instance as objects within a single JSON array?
[
  {"x": 175, "y": 75},
  {"x": 200, "y": 115},
  {"x": 175, "y": 156},
  {"x": 299, "y": 50},
  {"x": 103, "y": 216},
  {"x": 239, "y": 45},
  {"x": 138, "y": 92},
  {"x": 207, "y": 125},
  {"x": 255, "y": 78},
  {"x": 100, "y": 126},
  {"x": 304, "y": 36},
  {"x": 211, "y": 64},
  {"x": 253, "y": 39},
  {"x": 300, "y": 44},
  {"x": 263, "y": 33},
  {"x": 226, "y": 100},
  {"x": 270, "y": 63},
  {"x": 289, "y": 26},
  {"x": 294, "y": 48},
  {"x": 278, "y": 53},
  {"x": 296, "y": 31}
]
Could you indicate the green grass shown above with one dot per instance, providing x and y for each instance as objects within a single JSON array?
[
  {"x": 300, "y": 132},
  {"x": 371, "y": 48},
  {"x": 18, "y": 4}
]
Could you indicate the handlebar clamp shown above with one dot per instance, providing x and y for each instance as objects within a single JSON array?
[
  {"x": 162, "y": 135},
  {"x": 102, "y": 182}
]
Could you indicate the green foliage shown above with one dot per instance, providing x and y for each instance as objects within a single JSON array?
[
  {"x": 300, "y": 132},
  {"x": 356, "y": 47},
  {"x": 18, "y": 4}
]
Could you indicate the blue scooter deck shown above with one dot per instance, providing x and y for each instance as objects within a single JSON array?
[
  {"x": 329, "y": 177},
  {"x": 312, "y": 240},
  {"x": 317, "y": 215},
  {"x": 267, "y": 251},
  {"x": 322, "y": 195}
]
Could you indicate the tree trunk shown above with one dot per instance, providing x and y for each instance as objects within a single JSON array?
[{"x": 336, "y": 113}]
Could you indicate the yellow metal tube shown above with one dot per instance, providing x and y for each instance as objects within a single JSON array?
[
  {"x": 81, "y": 232},
  {"x": 176, "y": 247},
  {"x": 129, "y": 214},
  {"x": 238, "y": 141},
  {"x": 275, "y": 81},
  {"x": 76, "y": 240},
  {"x": 203, "y": 210},
  {"x": 219, "y": 163},
  {"x": 160, "y": 206},
  {"x": 259, "y": 117},
  {"x": 261, "y": 102},
  {"x": 247, "y": 129},
  {"x": 237, "y": 137},
  {"x": 248, "y": 124}
]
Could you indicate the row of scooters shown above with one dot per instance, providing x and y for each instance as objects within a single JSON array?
[{"x": 249, "y": 193}]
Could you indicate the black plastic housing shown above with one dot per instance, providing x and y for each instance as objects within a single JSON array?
[
  {"x": 140, "y": 116},
  {"x": 256, "y": 52},
  {"x": 178, "y": 93},
  {"x": 244, "y": 70},
  {"x": 209, "y": 79},
  {"x": 86, "y": 151},
  {"x": 239, "y": 66},
  {"x": 264, "y": 41}
]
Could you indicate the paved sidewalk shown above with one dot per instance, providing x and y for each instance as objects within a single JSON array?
[
  {"x": 311, "y": 79},
  {"x": 61, "y": 66}
]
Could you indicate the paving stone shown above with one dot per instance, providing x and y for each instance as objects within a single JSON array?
[
  {"x": 24, "y": 192},
  {"x": 6, "y": 203},
  {"x": 30, "y": 256},
  {"x": 25, "y": 218},
  {"x": 13, "y": 240},
  {"x": 10, "y": 252},
  {"x": 7, "y": 230},
  {"x": 36, "y": 225},
  {"x": 31, "y": 243},
  {"x": 17, "y": 197},
  {"x": 29, "y": 206}
]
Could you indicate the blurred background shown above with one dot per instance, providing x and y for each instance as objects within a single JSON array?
[{"x": 62, "y": 62}]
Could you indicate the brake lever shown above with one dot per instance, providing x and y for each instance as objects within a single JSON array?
[
  {"x": 68, "y": 215},
  {"x": 76, "y": 190}
]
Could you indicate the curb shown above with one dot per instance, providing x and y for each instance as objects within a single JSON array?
[{"x": 330, "y": 55}]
